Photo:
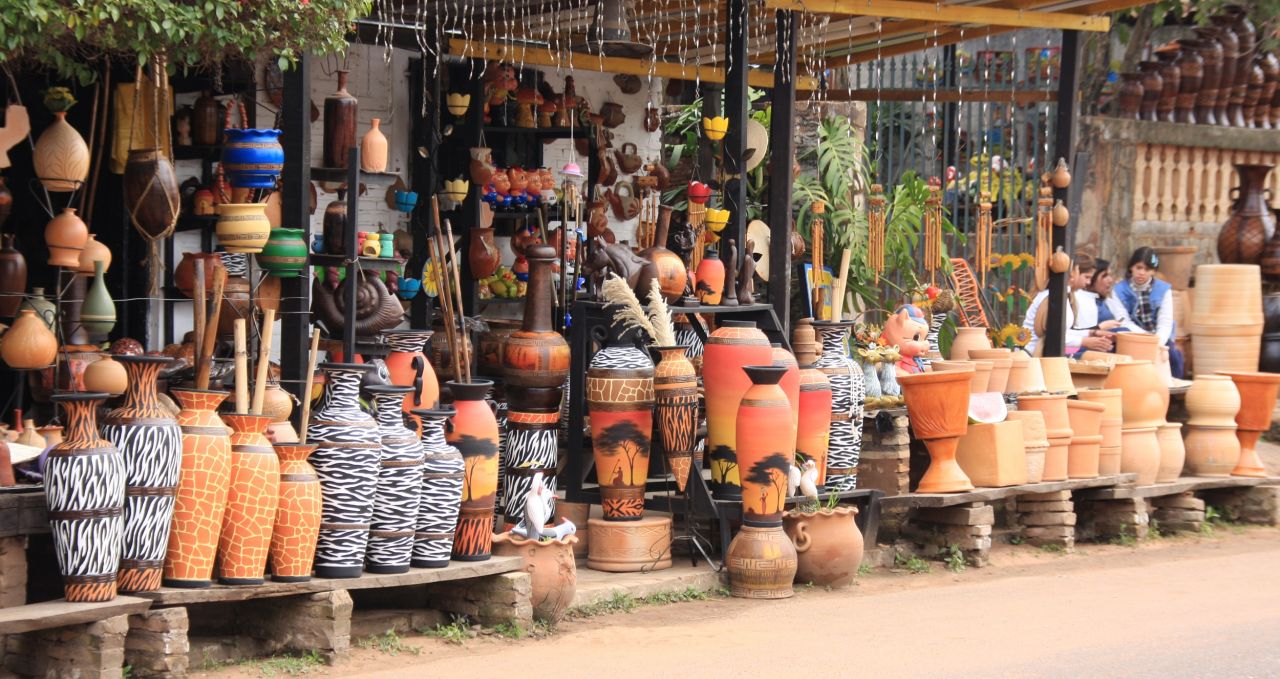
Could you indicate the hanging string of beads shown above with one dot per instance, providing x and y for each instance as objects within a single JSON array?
[
  {"x": 933, "y": 229},
  {"x": 876, "y": 204}
]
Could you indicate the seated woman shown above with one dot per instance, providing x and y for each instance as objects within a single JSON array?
[
  {"x": 1078, "y": 339},
  {"x": 1098, "y": 308},
  {"x": 1149, "y": 302}
]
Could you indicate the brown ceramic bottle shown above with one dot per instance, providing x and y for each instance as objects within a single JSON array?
[{"x": 340, "y": 110}]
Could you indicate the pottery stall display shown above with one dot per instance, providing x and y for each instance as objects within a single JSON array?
[
  {"x": 1056, "y": 372},
  {"x": 1226, "y": 318},
  {"x": 150, "y": 442},
  {"x": 993, "y": 454},
  {"x": 847, "y": 393},
  {"x": 1035, "y": 441},
  {"x": 1086, "y": 439},
  {"x": 937, "y": 405},
  {"x": 201, "y": 500},
  {"x": 730, "y": 347},
  {"x": 620, "y": 399},
  {"x": 254, "y": 496},
  {"x": 84, "y": 487},
  {"x": 1058, "y": 432},
  {"x": 675, "y": 391},
  {"x": 1173, "y": 453},
  {"x": 297, "y": 523},
  {"x": 475, "y": 434},
  {"x": 553, "y": 573},
  {"x": 1257, "y": 401},
  {"x": 395, "y": 503},
  {"x": 340, "y": 110},
  {"x": 347, "y": 462},
  {"x": 1112, "y": 423},
  {"x": 829, "y": 546},
  {"x": 441, "y": 491}
]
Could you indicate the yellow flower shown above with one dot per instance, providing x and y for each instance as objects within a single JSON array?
[
  {"x": 1011, "y": 260},
  {"x": 1018, "y": 334},
  {"x": 1028, "y": 259}
]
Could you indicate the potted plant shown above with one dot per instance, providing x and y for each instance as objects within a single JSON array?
[{"x": 828, "y": 543}]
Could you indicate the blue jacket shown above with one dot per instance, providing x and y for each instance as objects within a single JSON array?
[{"x": 1159, "y": 291}]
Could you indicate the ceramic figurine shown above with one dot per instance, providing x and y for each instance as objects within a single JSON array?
[{"x": 908, "y": 331}]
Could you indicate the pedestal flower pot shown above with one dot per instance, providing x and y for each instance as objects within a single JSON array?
[
  {"x": 730, "y": 347},
  {"x": 297, "y": 524},
  {"x": 475, "y": 435},
  {"x": 620, "y": 402},
  {"x": 347, "y": 462},
  {"x": 766, "y": 446},
  {"x": 813, "y": 431},
  {"x": 1257, "y": 401},
  {"x": 395, "y": 504},
  {"x": 245, "y": 541},
  {"x": 84, "y": 492},
  {"x": 761, "y": 563},
  {"x": 441, "y": 491},
  {"x": 1211, "y": 451},
  {"x": 675, "y": 390},
  {"x": 552, "y": 571},
  {"x": 828, "y": 544},
  {"x": 150, "y": 442},
  {"x": 201, "y": 501},
  {"x": 1172, "y": 452},
  {"x": 847, "y": 393},
  {"x": 531, "y": 447},
  {"x": 937, "y": 405}
]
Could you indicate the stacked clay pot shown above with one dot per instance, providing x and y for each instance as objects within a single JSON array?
[
  {"x": 1144, "y": 400},
  {"x": 1056, "y": 372},
  {"x": 1035, "y": 441},
  {"x": 937, "y": 406},
  {"x": 1001, "y": 365},
  {"x": 1212, "y": 448},
  {"x": 1226, "y": 318},
  {"x": 1033, "y": 380},
  {"x": 967, "y": 339},
  {"x": 1137, "y": 345},
  {"x": 1257, "y": 400},
  {"x": 1086, "y": 438},
  {"x": 1019, "y": 365},
  {"x": 1112, "y": 422},
  {"x": 1057, "y": 431},
  {"x": 1173, "y": 453}
]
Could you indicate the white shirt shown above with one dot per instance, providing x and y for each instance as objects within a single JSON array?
[
  {"x": 1087, "y": 303},
  {"x": 1073, "y": 336}
]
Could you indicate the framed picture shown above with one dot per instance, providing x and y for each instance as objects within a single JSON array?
[{"x": 824, "y": 281}]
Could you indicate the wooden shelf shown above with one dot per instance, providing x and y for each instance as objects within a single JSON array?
[
  {"x": 197, "y": 152},
  {"x": 992, "y": 494},
  {"x": 372, "y": 263},
  {"x": 61, "y": 613}
]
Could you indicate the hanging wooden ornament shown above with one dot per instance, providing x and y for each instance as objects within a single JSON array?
[
  {"x": 816, "y": 230},
  {"x": 982, "y": 253},
  {"x": 1044, "y": 237},
  {"x": 933, "y": 229},
  {"x": 876, "y": 217}
]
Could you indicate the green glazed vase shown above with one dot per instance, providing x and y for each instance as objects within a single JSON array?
[
  {"x": 285, "y": 253},
  {"x": 40, "y": 304},
  {"x": 98, "y": 315}
]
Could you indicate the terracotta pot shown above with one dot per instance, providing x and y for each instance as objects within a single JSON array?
[
  {"x": 1211, "y": 51},
  {"x": 1243, "y": 237},
  {"x": 1211, "y": 451},
  {"x": 285, "y": 254},
  {"x": 1140, "y": 453},
  {"x": 151, "y": 195},
  {"x": 552, "y": 571},
  {"x": 1083, "y": 457},
  {"x": 1170, "y": 77},
  {"x": 1112, "y": 399},
  {"x": 1129, "y": 96},
  {"x": 340, "y": 111},
  {"x": 1257, "y": 401},
  {"x": 243, "y": 227},
  {"x": 762, "y": 563},
  {"x": 1138, "y": 345},
  {"x": 829, "y": 546},
  {"x": 13, "y": 276},
  {"x": 536, "y": 355},
  {"x": 1190, "y": 78},
  {"x": 252, "y": 500},
  {"x": 184, "y": 273},
  {"x": 1234, "y": 348},
  {"x": 1057, "y": 375},
  {"x": 766, "y": 446},
  {"x": 297, "y": 523},
  {"x": 675, "y": 389},
  {"x": 201, "y": 501},
  {"x": 61, "y": 156},
  {"x": 1176, "y": 265},
  {"x": 966, "y": 339},
  {"x": 373, "y": 148},
  {"x": 993, "y": 454},
  {"x": 1001, "y": 364},
  {"x": 1213, "y": 401},
  {"x": 28, "y": 343},
  {"x": 1018, "y": 368},
  {"x": 980, "y": 383},
  {"x": 475, "y": 435},
  {"x": 1145, "y": 399},
  {"x": 630, "y": 546},
  {"x": 813, "y": 429},
  {"x": 398, "y": 492},
  {"x": 1085, "y": 417},
  {"x": 1035, "y": 439},
  {"x": 620, "y": 400},
  {"x": 1111, "y": 432},
  {"x": 937, "y": 405},
  {"x": 1056, "y": 458},
  {"x": 482, "y": 254},
  {"x": 1054, "y": 408},
  {"x": 93, "y": 251},
  {"x": 1172, "y": 452},
  {"x": 1033, "y": 381},
  {"x": 107, "y": 376},
  {"x": 1227, "y": 294},
  {"x": 730, "y": 347},
  {"x": 65, "y": 235}
]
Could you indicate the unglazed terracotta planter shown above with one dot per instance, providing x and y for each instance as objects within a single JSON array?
[
  {"x": 1112, "y": 399},
  {"x": 993, "y": 454},
  {"x": 1085, "y": 417},
  {"x": 766, "y": 446},
  {"x": 629, "y": 546},
  {"x": 937, "y": 405},
  {"x": 201, "y": 501},
  {"x": 1145, "y": 398},
  {"x": 1211, "y": 451},
  {"x": 1056, "y": 372},
  {"x": 829, "y": 546},
  {"x": 966, "y": 339},
  {"x": 813, "y": 433},
  {"x": 297, "y": 523},
  {"x": 1033, "y": 382},
  {"x": 1035, "y": 441},
  {"x": 552, "y": 571},
  {"x": 1213, "y": 401},
  {"x": 65, "y": 235},
  {"x": 1172, "y": 452},
  {"x": 675, "y": 389},
  {"x": 762, "y": 563},
  {"x": 475, "y": 435},
  {"x": 442, "y": 477},
  {"x": 28, "y": 343},
  {"x": 1019, "y": 364},
  {"x": 395, "y": 504},
  {"x": 252, "y": 502},
  {"x": 847, "y": 393},
  {"x": 1054, "y": 408},
  {"x": 1001, "y": 365},
  {"x": 1083, "y": 457},
  {"x": 1257, "y": 401},
  {"x": 730, "y": 347},
  {"x": 1138, "y": 345},
  {"x": 1140, "y": 454}
]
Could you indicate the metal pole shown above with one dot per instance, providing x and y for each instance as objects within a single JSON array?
[
  {"x": 295, "y": 206},
  {"x": 1064, "y": 145},
  {"x": 735, "y": 142}
]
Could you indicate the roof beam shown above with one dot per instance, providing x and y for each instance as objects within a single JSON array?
[{"x": 950, "y": 14}]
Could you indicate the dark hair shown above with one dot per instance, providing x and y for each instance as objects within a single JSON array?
[
  {"x": 1101, "y": 266},
  {"x": 1143, "y": 255}
]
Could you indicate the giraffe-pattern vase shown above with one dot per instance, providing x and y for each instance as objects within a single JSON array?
[
  {"x": 252, "y": 501},
  {"x": 202, "y": 490},
  {"x": 847, "y": 393},
  {"x": 675, "y": 390},
  {"x": 297, "y": 524},
  {"x": 395, "y": 504},
  {"x": 442, "y": 472},
  {"x": 620, "y": 403}
]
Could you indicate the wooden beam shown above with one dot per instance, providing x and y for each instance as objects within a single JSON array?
[
  {"x": 950, "y": 14},
  {"x": 589, "y": 62},
  {"x": 947, "y": 95},
  {"x": 949, "y": 37},
  {"x": 782, "y": 150}
]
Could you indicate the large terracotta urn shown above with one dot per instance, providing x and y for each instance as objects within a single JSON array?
[
  {"x": 61, "y": 156},
  {"x": 1257, "y": 401},
  {"x": 620, "y": 399},
  {"x": 937, "y": 405},
  {"x": 442, "y": 478},
  {"x": 847, "y": 393},
  {"x": 762, "y": 563},
  {"x": 553, "y": 573},
  {"x": 829, "y": 546},
  {"x": 395, "y": 502},
  {"x": 297, "y": 524},
  {"x": 475, "y": 435},
  {"x": 730, "y": 347},
  {"x": 1243, "y": 237},
  {"x": 675, "y": 391},
  {"x": 201, "y": 501},
  {"x": 254, "y": 496},
  {"x": 966, "y": 339},
  {"x": 1145, "y": 398}
]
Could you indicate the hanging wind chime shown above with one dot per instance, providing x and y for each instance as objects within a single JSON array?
[
  {"x": 933, "y": 229},
  {"x": 816, "y": 228},
  {"x": 982, "y": 249},
  {"x": 876, "y": 217},
  {"x": 1044, "y": 237}
]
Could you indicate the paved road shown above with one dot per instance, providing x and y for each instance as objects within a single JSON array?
[{"x": 1204, "y": 608}]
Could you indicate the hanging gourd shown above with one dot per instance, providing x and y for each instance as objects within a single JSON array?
[
  {"x": 150, "y": 184},
  {"x": 1061, "y": 177},
  {"x": 982, "y": 253},
  {"x": 1060, "y": 214},
  {"x": 876, "y": 230},
  {"x": 715, "y": 128},
  {"x": 1044, "y": 239},
  {"x": 933, "y": 229}
]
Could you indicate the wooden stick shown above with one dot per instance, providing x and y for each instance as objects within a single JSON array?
[
  {"x": 837, "y": 304},
  {"x": 264, "y": 360},
  {"x": 204, "y": 362},
  {"x": 242, "y": 367},
  {"x": 200, "y": 311},
  {"x": 462, "y": 317},
  {"x": 442, "y": 290},
  {"x": 309, "y": 384}
]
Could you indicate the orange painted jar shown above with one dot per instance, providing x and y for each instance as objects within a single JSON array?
[
  {"x": 620, "y": 401},
  {"x": 790, "y": 382},
  {"x": 408, "y": 367},
  {"x": 675, "y": 393},
  {"x": 938, "y": 407},
  {"x": 813, "y": 428},
  {"x": 475, "y": 435},
  {"x": 733, "y": 345},
  {"x": 536, "y": 355},
  {"x": 252, "y": 501},
  {"x": 297, "y": 523},
  {"x": 202, "y": 490},
  {"x": 766, "y": 445}
]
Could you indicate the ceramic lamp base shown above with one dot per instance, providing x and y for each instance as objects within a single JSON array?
[
  {"x": 944, "y": 474},
  {"x": 629, "y": 546}
]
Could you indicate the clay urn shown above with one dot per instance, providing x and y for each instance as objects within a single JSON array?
[
  {"x": 966, "y": 339},
  {"x": 551, "y": 568},
  {"x": 829, "y": 546},
  {"x": 28, "y": 343},
  {"x": 1213, "y": 401},
  {"x": 1211, "y": 451},
  {"x": 1145, "y": 399},
  {"x": 66, "y": 235},
  {"x": 1172, "y": 452}
]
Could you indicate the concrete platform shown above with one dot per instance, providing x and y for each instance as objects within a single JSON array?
[{"x": 596, "y": 586}]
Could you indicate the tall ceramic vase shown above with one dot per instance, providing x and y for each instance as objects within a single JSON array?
[
  {"x": 408, "y": 367},
  {"x": 847, "y": 392},
  {"x": 733, "y": 345},
  {"x": 620, "y": 403},
  {"x": 84, "y": 486},
  {"x": 245, "y": 541},
  {"x": 475, "y": 435},
  {"x": 339, "y": 124},
  {"x": 13, "y": 276},
  {"x": 151, "y": 443},
  {"x": 761, "y": 559},
  {"x": 938, "y": 407},
  {"x": 98, "y": 314},
  {"x": 202, "y": 490},
  {"x": 1257, "y": 400},
  {"x": 347, "y": 463},
  {"x": 813, "y": 429},
  {"x": 1243, "y": 237},
  {"x": 297, "y": 522},
  {"x": 675, "y": 391},
  {"x": 790, "y": 380},
  {"x": 395, "y": 505},
  {"x": 440, "y": 492}
]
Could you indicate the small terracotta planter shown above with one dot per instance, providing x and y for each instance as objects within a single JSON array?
[
  {"x": 1001, "y": 365},
  {"x": 1085, "y": 417},
  {"x": 981, "y": 381},
  {"x": 551, "y": 569},
  {"x": 1145, "y": 398},
  {"x": 1172, "y": 453},
  {"x": 828, "y": 545},
  {"x": 1083, "y": 457},
  {"x": 1057, "y": 375},
  {"x": 1056, "y": 459},
  {"x": 1140, "y": 453},
  {"x": 1035, "y": 441},
  {"x": 1109, "y": 397},
  {"x": 1054, "y": 407},
  {"x": 966, "y": 339},
  {"x": 1138, "y": 345},
  {"x": 1019, "y": 361},
  {"x": 993, "y": 455}
]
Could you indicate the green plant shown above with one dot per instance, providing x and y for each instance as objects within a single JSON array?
[
  {"x": 389, "y": 643},
  {"x": 911, "y": 563},
  {"x": 509, "y": 630},
  {"x": 683, "y": 141},
  {"x": 126, "y": 672},
  {"x": 1124, "y": 538},
  {"x": 1053, "y": 548},
  {"x": 953, "y": 557},
  {"x": 455, "y": 632},
  {"x": 864, "y": 569},
  {"x": 1015, "y": 539},
  {"x": 289, "y": 664}
]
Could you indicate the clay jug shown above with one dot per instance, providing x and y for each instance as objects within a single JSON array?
[
  {"x": 1213, "y": 401},
  {"x": 629, "y": 160},
  {"x": 297, "y": 523},
  {"x": 61, "y": 156},
  {"x": 828, "y": 544},
  {"x": 243, "y": 227},
  {"x": 536, "y": 355},
  {"x": 373, "y": 148},
  {"x": 340, "y": 110},
  {"x": 673, "y": 277},
  {"x": 1243, "y": 237},
  {"x": 482, "y": 254},
  {"x": 729, "y": 348},
  {"x": 1211, "y": 451},
  {"x": 151, "y": 195},
  {"x": 620, "y": 398},
  {"x": 966, "y": 339},
  {"x": 937, "y": 405},
  {"x": 1172, "y": 452},
  {"x": 1145, "y": 399},
  {"x": 202, "y": 490},
  {"x": 254, "y": 496},
  {"x": 1206, "y": 101},
  {"x": 1170, "y": 77},
  {"x": 206, "y": 120},
  {"x": 475, "y": 435},
  {"x": 1129, "y": 96},
  {"x": 13, "y": 276},
  {"x": 552, "y": 571},
  {"x": 65, "y": 235},
  {"x": 761, "y": 562},
  {"x": 28, "y": 344},
  {"x": 710, "y": 277},
  {"x": 675, "y": 388},
  {"x": 93, "y": 251}
]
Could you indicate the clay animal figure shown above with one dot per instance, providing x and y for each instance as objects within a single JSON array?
[
  {"x": 746, "y": 277},
  {"x": 730, "y": 257},
  {"x": 908, "y": 330},
  {"x": 605, "y": 257}
]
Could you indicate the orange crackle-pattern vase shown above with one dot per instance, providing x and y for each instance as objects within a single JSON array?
[
  {"x": 251, "y": 502},
  {"x": 475, "y": 435},
  {"x": 938, "y": 407},
  {"x": 766, "y": 446},
  {"x": 675, "y": 391},
  {"x": 620, "y": 402},
  {"x": 202, "y": 490},
  {"x": 297, "y": 524},
  {"x": 733, "y": 345},
  {"x": 813, "y": 430}
]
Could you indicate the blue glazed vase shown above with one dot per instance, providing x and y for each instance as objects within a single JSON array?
[{"x": 252, "y": 159}]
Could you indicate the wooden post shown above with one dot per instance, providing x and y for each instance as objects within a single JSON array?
[
  {"x": 426, "y": 171},
  {"x": 295, "y": 199},
  {"x": 735, "y": 142},
  {"x": 782, "y": 146},
  {"x": 352, "y": 250},
  {"x": 1054, "y": 340}
]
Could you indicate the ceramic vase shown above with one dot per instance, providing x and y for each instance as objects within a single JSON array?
[
  {"x": 1243, "y": 238},
  {"x": 1145, "y": 398},
  {"x": 408, "y": 367},
  {"x": 709, "y": 286},
  {"x": 687, "y": 337},
  {"x": 98, "y": 314},
  {"x": 347, "y": 462},
  {"x": 252, "y": 159},
  {"x": 847, "y": 393},
  {"x": 730, "y": 347},
  {"x": 151, "y": 195},
  {"x": 937, "y": 405},
  {"x": 1190, "y": 79},
  {"x": 829, "y": 546},
  {"x": 297, "y": 521},
  {"x": 1257, "y": 401},
  {"x": 61, "y": 156},
  {"x": 1172, "y": 452},
  {"x": 1211, "y": 451},
  {"x": 475, "y": 435},
  {"x": 482, "y": 253},
  {"x": 340, "y": 110},
  {"x": 675, "y": 389},
  {"x": 150, "y": 442},
  {"x": 531, "y": 447},
  {"x": 46, "y": 310},
  {"x": 790, "y": 380},
  {"x": 202, "y": 490},
  {"x": 766, "y": 446},
  {"x": 440, "y": 492},
  {"x": 1129, "y": 96},
  {"x": 762, "y": 563},
  {"x": 1213, "y": 401},
  {"x": 65, "y": 236},
  {"x": 1140, "y": 453},
  {"x": 966, "y": 339},
  {"x": 373, "y": 148},
  {"x": 395, "y": 504},
  {"x": 813, "y": 428},
  {"x": 28, "y": 344},
  {"x": 84, "y": 487},
  {"x": 536, "y": 355},
  {"x": 620, "y": 399},
  {"x": 552, "y": 571},
  {"x": 252, "y": 501},
  {"x": 13, "y": 276},
  {"x": 285, "y": 253},
  {"x": 243, "y": 227}
]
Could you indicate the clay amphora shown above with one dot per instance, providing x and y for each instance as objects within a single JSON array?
[
  {"x": 675, "y": 389},
  {"x": 475, "y": 435},
  {"x": 340, "y": 110}
]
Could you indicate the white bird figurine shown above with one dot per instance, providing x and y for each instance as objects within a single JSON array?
[
  {"x": 535, "y": 508},
  {"x": 809, "y": 482},
  {"x": 793, "y": 480}
]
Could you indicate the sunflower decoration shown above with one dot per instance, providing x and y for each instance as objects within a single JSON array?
[
  {"x": 429, "y": 279},
  {"x": 1028, "y": 260},
  {"x": 1013, "y": 336}
]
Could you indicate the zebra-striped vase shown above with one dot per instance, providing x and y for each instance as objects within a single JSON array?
[
  {"x": 847, "y": 393},
  {"x": 347, "y": 462},
  {"x": 533, "y": 418},
  {"x": 151, "y": 444},
  {"x": 442, "y": 472},
  {"x": 395, "y": 505},
  {"x": 84, "y": 490}
]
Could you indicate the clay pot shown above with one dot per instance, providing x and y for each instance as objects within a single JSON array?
[
  {"x": 552, "y": 571},
  {"x": 829, "y": 546},
  {"x": 202, "y": 490},
  {"x": 980, "y": 383},
  {"x": 766, "y": 445},
  {"x": 710, "y": 277},
  {"x": 1057, "y": 375},
  {"x": 297, "y": 522},
  {"x": 285, "y": 253},
  {"x": 1176, "y": 265},
  {"x": 630, "y": 546},
  {"x": 373, "y": 148},
  {"x": 1211, "y": 451},
  {"x": 1190, "y": 78},
  {"x": 61, "y": 156},
  {"x": 1129, "y": 96},
  {"x": 28, "y": 343},
  {"x": 729, "y": 348},
  {"x": 1140, "y": 454},
  {"x": 1145, "y": 399},
  {"x": 254, "y": 496},
  {"x": 107, "y": 376},
  {"x": 1227, "y": 294},
  {"x": 65, "y": 235},
  {"x": 1172, "y": 452},
  {"x": 1213, "y": 401},
  {"x": 1085, "y": 417},
  {"x": 184, "y": 274},
  {"x": 1243, "y": 237},
  {"x": 13, "y": 276},
  {"x": 1211, "y": 51},
  {"x": 1170, "y": 78},
  {"x": 1035, "y": 441},
  {"x": 482, "y": 254},
  {"x": 340, "y": 110},
  {"x": 252, "y": 159},
  {"x": 966, "y": 339},
  {"x": 1033, "y": 379},
  {"x": 762, "y": 563},
  {"x": 1257, "y": 401},
  {"x": 620, "y": 400},
  {"x": 1001, "y": 363},
  {"x": 813, "y": 429},
  {"x": 1057, "y": 421},
  {"x": 1112, "y": 399},
  {"x": 243, "y": 227},
  {"x": 1138, "y": 345},
  {"x": 675, "y": 388},
  {"x": 937, "y": 405},
  {"x": 1083, "y": 457},
  {"x": 93, "y": 251}
]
